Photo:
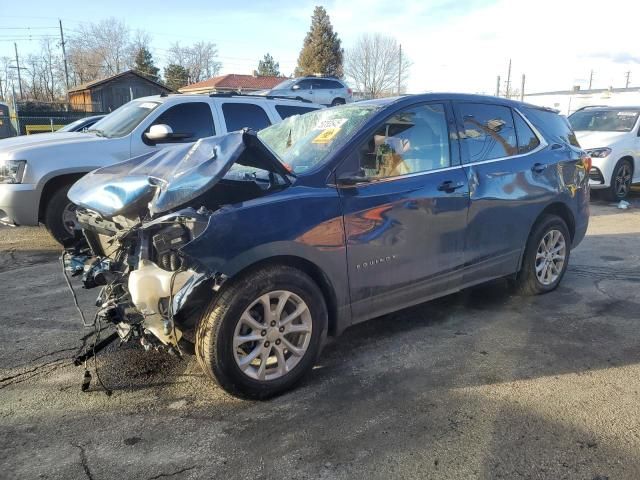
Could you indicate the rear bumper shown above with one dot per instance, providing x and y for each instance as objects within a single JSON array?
[{"x": 18, "y": 204}]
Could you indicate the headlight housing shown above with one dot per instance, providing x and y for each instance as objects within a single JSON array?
[
  {"x": 11, "y": 171},
  {"x": 598, "y": 152}
]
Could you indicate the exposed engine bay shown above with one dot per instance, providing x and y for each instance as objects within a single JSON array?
[{"x": 138, "y": 215}]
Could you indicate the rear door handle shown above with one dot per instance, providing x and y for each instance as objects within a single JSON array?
[
  {"x": 449, "y": 186},
  {"x": 538, "y": 168}
]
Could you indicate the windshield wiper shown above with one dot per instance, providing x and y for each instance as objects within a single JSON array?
[{"x": 97, "y": 131}]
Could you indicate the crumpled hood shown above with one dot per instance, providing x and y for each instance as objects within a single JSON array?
[
  {"x": 168, "y": 179},
  {"x": 13, "y": 145},
  {"x": 591, "y": 139}
]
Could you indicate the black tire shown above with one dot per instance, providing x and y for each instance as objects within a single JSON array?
[
  {"x": 616, "y": 190},
  {"x": 337, "y": 101},
  {"x": 53, "y": 212},
  {"x": 214, "y": 334},
  {"x": 527, "y": 281}
]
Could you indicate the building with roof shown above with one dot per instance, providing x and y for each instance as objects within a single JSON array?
[
  {"x": 568, "y": 101},
  {"x": 233, "y": 83},
  {"x": 107, "y": 94}
]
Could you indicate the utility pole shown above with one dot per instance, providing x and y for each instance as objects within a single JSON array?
[
  {"x": 498, "y": 87},
  {"x": 508, "y": 80},
  {"x": 590, "y": 79},
  {"x": 399, "y": 68},
  {"x": 64, "y": 57},
  {"x": 522, "y": 89},
  {"x": 627, "y": 75},
  {"x": 15, "y": 45}
]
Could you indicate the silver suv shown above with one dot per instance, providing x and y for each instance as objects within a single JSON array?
[
  {"x": 36, "y": 171},
  {"x": 322, "y": 90}
]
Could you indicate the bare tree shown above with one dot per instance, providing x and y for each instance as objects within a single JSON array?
[
  {"x": 7, "y": 78},
  {"x": 374, "y": 64},
  {"x": 199, "y": 60}
]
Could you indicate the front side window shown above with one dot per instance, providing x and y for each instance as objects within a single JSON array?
[
  {"x": 604, "y": 120},
  {"x": 415, "y": 140},
  {"x": 489, "y": 132},
  {"x": 189, "y": 121},
  {"x": 244, "y": 115},
  {"x": 123, "y": 120}
]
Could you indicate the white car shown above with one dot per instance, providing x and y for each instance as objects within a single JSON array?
[
  {"x": 324, "y": 90},
  {"x": 36, "y": 171},
  {"x": 611, "y": 136}
]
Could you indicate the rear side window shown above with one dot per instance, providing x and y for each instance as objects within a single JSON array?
[
  {"x": 489, "y": 131},
  {"x": 326, "y": 84},
  {"x": 286, "y": 111},
  {"x": 193, "y": 120},
  {"x": 552, "y": 125},
  {"x": 527, "y": 140},
  {"x": 240, "y": 115}
]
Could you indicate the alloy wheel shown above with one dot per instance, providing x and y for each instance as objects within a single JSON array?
[
  {"x": 550, "y": 257},
  {"x": 622, "y": 181},
  {"x": 69, "y": 219},
  {"x": 272, "y": 335}
]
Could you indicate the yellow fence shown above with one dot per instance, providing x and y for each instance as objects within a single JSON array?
[{"x": 41, "y": 128}]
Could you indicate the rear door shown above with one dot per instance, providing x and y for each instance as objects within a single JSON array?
[
  {"x": 510, "y": 180},
  {"x": 405, "y": 226}
]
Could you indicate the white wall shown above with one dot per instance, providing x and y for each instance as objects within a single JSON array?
[{"x": 568, "y": 104}]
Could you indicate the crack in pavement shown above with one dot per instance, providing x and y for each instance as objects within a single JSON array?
[
  {"x": 60, "y": 362},
  {"x": 163, "y": 475},
  {"x": 83, "y": 461}
]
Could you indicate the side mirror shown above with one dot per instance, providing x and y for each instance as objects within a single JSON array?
[
  {"x": 296, "y": 87},
  {"x": 158, "y": 133},
  {"x": 351, "y": 179}
]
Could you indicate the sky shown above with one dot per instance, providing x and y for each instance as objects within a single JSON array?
[{"x": 454, "y": 46}]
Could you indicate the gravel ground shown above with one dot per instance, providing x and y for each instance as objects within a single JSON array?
[{"x": 481, "y": 384}]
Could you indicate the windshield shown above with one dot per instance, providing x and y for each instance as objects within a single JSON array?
[
  {"x": 303, "y": 142},
  {"x": 71, "y": 127},
  {"x": 285, "y": 84},
  {"x": 123, "y": 120},
  {"x": 604, "y": 120}
]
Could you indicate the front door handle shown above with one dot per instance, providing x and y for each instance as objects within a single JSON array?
[
  {"x": 538, "y": 168},
  {"x": 449, "y": 186}
]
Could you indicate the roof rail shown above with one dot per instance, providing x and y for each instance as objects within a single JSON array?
[
  {"x": 253, "y": 95},
  {"x": 590, "y": 106}
]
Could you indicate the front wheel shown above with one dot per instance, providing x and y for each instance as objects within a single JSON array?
[
  {"x": 60, "y": 216},
  {"x": 620, "y": 181},
  {"x": 263, "y": 333},
  {"x": 546, "y": 256}
]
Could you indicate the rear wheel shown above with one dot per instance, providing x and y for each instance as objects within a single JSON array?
[
  {"x": 60, "y": 216},
  {"x": 546, "y": 256},
  {"x": 620, "y": 181},
  {"x": 263, "y": 333},
  {"x": 337, "y": 101}
]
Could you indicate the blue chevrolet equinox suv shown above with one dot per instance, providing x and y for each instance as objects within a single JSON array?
[{"x": 249, "y": 249}]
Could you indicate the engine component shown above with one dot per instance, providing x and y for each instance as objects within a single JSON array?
[{"x": 166, "y": 243}]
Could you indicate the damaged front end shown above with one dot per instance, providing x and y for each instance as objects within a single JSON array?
[{"x": 137, "y": 216}]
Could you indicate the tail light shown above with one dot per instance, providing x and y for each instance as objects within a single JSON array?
[{"x": 349, "y": 91}]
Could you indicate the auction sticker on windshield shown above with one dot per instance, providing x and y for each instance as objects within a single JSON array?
[
  {"x": 330, "y": 128},
  {"x": 148, "y": 105}
]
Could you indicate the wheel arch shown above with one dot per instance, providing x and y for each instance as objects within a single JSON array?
[
  {"x": 314, "y": 271},
  {"x": 52, "y": 185}
]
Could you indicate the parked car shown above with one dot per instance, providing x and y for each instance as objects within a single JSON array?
[
  {"x": 81, "y": 124},
  {"x": 37, "y": 171},
  {"x": 326, "y": 91},
  {"x": 257, "y": 246},
  {"x": 611, "y": 135}
]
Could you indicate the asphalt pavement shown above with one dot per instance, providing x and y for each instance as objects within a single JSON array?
[{"x": 482, "y": 384}]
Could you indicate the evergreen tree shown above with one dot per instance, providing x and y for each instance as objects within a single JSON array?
[
  {"x": 175, "y": 76},
  {"x": 322, "y": 51},
  {"x": 143, "y": 64},
  {"x": 268, "y": 67}
]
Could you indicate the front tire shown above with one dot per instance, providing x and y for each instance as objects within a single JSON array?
[
  {"x": 263, "y": 332},
  {"x": 620, "y": 181},
  {"x": 59, "y": 216},
  {"x": 546, "y": 256}
]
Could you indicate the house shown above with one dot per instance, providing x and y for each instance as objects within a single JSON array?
[
  {"x": 568, "y": 101},
  {"x": 232, "y": 83},
  {"x": 107, "y": 94}
]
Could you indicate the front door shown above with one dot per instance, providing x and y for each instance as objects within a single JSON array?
[{"x": 405, "y": 225}]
